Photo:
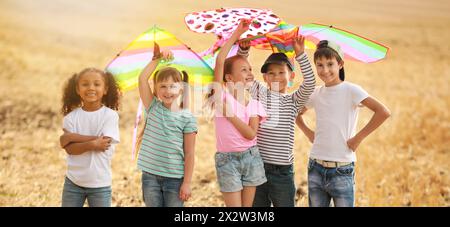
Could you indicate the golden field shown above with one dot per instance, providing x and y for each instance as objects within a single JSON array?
[{"x": 404, "y": 163}]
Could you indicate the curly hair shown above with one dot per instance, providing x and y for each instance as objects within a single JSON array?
[{"x": 72, "y": 100}]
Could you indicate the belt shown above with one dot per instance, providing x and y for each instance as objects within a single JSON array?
[{"x": 331, "y": 164}]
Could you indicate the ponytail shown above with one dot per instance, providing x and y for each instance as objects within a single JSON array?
[{"x": 185, "y": 96}]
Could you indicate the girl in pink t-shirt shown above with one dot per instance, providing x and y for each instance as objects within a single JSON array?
[{"x": 239, "y": 166}]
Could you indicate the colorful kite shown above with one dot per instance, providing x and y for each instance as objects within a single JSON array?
[
  {"x": 355, "y": 47},
  {"x": 279, "y": 39},
  {"x": 210, "y": 55},
  {"x": 129, "y": 63},
  {"x": 224, "y": 21}
]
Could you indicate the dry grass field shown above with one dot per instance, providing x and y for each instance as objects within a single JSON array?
[{"x": 404, "y": 163}]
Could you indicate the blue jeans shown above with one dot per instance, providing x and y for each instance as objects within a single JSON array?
[
  {"x": 159, "y": 191},
  {"x": 279, "y": 189},
  {"x": 75, "y": 196},
  {"x": 325, "y": 184}
]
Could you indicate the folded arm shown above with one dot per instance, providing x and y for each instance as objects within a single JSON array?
[{"x": 76, "y": 144}]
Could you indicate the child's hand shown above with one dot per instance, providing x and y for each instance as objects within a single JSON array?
[
  {"x": 185, "y": 191},
  {"x": 156, "y": 52},
  {"x": 353, "y": 143},
  {"x": 244, "y": 44},
  {"x": 243, "y": 26},
  {"x": 302, "y": 111},
  {"x": 64, "y": 139},
  {"x": 299, "y": 44},
  {"x": 166, "y": 55},
  {"x": 102, "y": 143}
]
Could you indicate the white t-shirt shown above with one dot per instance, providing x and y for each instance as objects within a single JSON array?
[
  {"x": 92, "y": 169},
  {"x": 336, "y": 110}
]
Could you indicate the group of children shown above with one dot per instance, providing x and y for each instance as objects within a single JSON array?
[{"x": 254, "y": 125}]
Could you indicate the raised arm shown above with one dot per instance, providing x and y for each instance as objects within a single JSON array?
[
  {"x": 309, "y": 82},
  {"x": 145, "y": 92},
  {"x": 380, "y": 114},
  {"x": 223, "y": 53}
]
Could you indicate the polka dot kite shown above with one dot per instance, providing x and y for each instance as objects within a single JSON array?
[{"x": 223, "y": 21}]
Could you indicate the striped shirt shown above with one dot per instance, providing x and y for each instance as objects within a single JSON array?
[
  {"x": 161, "y": 151},
  {"x": 276, "y": 134}
]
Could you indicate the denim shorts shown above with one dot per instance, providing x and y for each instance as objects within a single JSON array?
[{"x": 238, "y": 169}]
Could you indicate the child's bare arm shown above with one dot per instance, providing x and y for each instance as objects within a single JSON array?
[
  {"x": 249, "y": 130},
  {"x": 189, "y": 148},
  {"x": 381, "y": 113},
  {"x": 69, "y": 137},
  {"x": 302, "y": 125},
  {"x": 145, "y": 91},
  {"x": 223, "y": 53},
  {"x": 98, "y": 144}
]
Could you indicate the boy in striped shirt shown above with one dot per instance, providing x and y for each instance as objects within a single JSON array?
[{"x": 276, "y": 134}]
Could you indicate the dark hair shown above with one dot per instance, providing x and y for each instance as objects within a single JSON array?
[
  {"x": 72, "y": 100},
  {"x": 324, "y": 51},
  {"x": 278, "y": 59}
]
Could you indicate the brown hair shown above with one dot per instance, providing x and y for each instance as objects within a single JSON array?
[
  {"x": 227, "y": 69},
  {"x": 177, "y": 77},
  {"x": 72, "y": 100}
]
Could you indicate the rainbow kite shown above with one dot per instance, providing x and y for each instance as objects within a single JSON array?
[
  {"x": 129, "y": 63},
  {"x": 355, "y": 47},
  {"x": 281, "y": 38}
]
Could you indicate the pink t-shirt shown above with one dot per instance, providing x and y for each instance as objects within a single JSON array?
[{"x": 228, "y": 138}]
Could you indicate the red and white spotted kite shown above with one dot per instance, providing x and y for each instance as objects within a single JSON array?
[{"x": 224, "y": 21}]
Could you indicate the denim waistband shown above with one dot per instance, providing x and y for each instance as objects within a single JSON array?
[{"x": 240, "y": 153}]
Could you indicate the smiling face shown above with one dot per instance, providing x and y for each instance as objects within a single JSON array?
[
  {"x": 278, "y": 76},
  {"x": 328, "y": 70},
  {"x": 91, "y": 87},
  {"x": 241, "y": 72},
  {"x": 168, "y": 91}
]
